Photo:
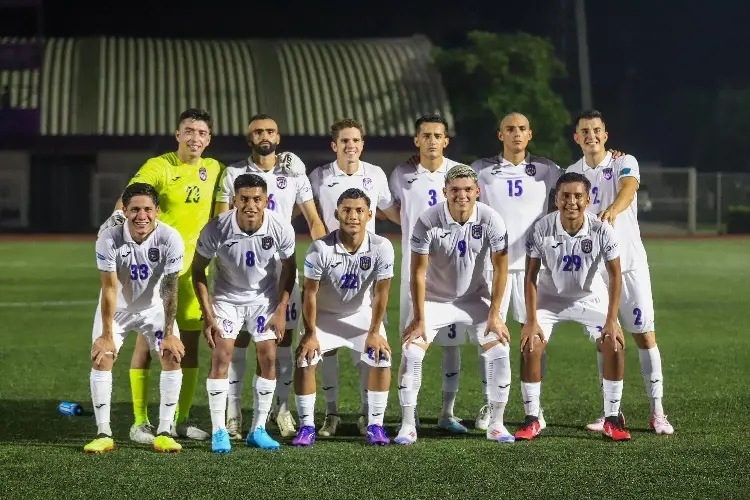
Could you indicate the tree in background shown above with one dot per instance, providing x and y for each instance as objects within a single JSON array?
[{"x": 495, "y": 74}]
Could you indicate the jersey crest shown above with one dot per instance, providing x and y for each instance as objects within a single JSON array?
[
  {"x": 367, "y": 184},
  {"x": 365, "y": 263},
  {"x": 267, "y": 242},
  {"x": 586, "y": 246},
  {"x": 281, "y": 182},
  {"x": 530, "y": 170},
  {"x": 607, "y": 172},
  {"x": 476, "y": 232},
  {"x": 203, "y": 174},
  {"x": 153, "y": 254}
]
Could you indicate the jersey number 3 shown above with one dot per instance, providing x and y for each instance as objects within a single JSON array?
[{"x": 193, "y": 194}]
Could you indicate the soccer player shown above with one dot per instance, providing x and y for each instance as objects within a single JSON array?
[
  {"x": 186, "y": 183},
  {"x": 517, "y": 185},
  {"x": 288, "y": 187},
  {"x": 614, "y": 190},
  {"x": 347, "y": 279},
  {"x": 247, "y": 241},
  {"x": 139, "y": 261},
  {"x": 415, "y": 188},
  {"x": 328, "y": 183},
  {"x": 450, "y": 243},
  {"x": 571, "y": 245}
]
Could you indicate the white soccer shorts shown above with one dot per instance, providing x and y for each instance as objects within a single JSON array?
[
  {"x": 253, "y": 319},
  {"x": 591, "y": 312},
  {"x": 335, "y": 331},
  {"x": 637, "y": 302},
  {"x": 448, "y": 336},
  {"x": 148, "y": 322},
  {"x": 514, "y": 297}
]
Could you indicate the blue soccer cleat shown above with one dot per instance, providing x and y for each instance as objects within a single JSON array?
[
  {"x": 376, "y": 435},
  {"x": 261, "y": 439},
  {"x": 305, "y": 436},
  {"x": 452, "y": 425},
  {"x": 220, "y": 442}
]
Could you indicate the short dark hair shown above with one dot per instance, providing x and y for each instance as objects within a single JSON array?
[
  {"x": 353, "y": 194},
  {"x": 250, "y": 181},
  {"x": 571, "y": 177},
  {"x": 343, "y": 123},
  {"x": 434, "y": 118},
  {"x": 589, "y": 114},
  {"x": 261, "y": 116},
  {"x": 140, "y": 189},
  {"x": 197, "y": 114}
]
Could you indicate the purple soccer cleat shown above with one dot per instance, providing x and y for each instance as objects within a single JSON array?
[
  {"x": 376, "y": 435},
  {"x": 305, "y": 436}
]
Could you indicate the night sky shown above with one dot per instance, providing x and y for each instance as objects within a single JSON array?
[{"x": 642, "y": 52}]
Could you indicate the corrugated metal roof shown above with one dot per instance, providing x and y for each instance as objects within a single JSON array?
[
  {"x": 22, "y": 85},
  {"x": 128, "y": 86}
]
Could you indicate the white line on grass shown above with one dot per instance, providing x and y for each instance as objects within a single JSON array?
[{"x": 52, "y": 303}]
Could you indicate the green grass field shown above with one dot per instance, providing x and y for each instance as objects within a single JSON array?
[{"x": 701, "y": 291}]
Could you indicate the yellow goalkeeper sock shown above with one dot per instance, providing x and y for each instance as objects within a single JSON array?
[
  {"x": 139, "y": 387},
  {"x": 187, "y": 391}
]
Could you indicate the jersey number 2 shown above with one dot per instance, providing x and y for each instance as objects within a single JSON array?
[{"x": 193, "y": 194}]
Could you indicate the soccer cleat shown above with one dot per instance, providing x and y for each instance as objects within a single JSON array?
[
  {"x": 598, "y": 425},
  {"x": 220, "y": 442},
  {"x": 362, "y": 425},
  {"x": 452, "y": 425},
  {"x": 661, "y": 425},
  {"x": 166, "y": 444},
  {"x": 406, "y": 435},
  {"x": 261, "y": 439},
  {"x": 101, "y": 444},
  {"x": 330, "y": 424},
  {"x": 614, "y": 431},
  {"x": 305, "y": 436},
  {"x": 376, "y": 435},
  {"x": 530, "y": 429},
  {"x": 189, "y": 432},
  {"x": 500, "y": 434},
  {"x": 286, "y": 422},
  {"x": 143, "y": 433},
  {"x": 234, "y": 428},
  {"x": 483, "y": 418}
]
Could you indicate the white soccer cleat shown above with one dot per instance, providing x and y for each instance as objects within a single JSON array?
[
  {"x": 143, "y": 434},
  {"x": 362, "y": 425},
  {"x": 406, "y": 435},
  {"x": 542, "y": 422},
  {"x": 286, "y": 422},
  {"x": 330, "y": 425},
  {"x": 500, "y": 434},
  {"x": 234, "y": 428},
  {"x": 661, "y": 425},
  {"x": 186, "y": 431},
  {"x": 482, "y": 422}
]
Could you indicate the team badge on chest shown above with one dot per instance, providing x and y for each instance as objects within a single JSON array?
[
  {"x": 530, "y": 170},
  {"x": 607, "y": 173},
  {"x": 281, "y": 182},
  {"x": 367, "y": 183},
  {"x": 153, "y": 254},
  {"x": 266, "y": 242},
  {"x": 476, "y": 232},
  {"x": 203, "y": 174},
  {"x": 365, "y": 263},
  {"x": 586, "y": 246}
]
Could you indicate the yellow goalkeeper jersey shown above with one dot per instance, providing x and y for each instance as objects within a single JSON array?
[{"x": 186, "y": 194}]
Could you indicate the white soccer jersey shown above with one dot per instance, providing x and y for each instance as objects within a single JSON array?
[
  {"x": 284, "y": 190},
  {"x": 416, "y": 189},
  {"x": 520, "y": 194},
  {"x": 457, "y": 251},
  {"x": 246, "y": 274},
  {"x": 329, "y": 181},
  {"x": 605, "y": 179},
  {"x": 347, "y": 279},
  {"x": 571, "y": 263},
  {"x": 139, "y": 266}
]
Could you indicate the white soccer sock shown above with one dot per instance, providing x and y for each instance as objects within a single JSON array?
[
  {"x": 377, "y": 402},
  {"x": 612, "y": 397},
  {"x": 530, "y": 393},
  {"x": 410, "y": 383},
  {"x": 306, "y": 409},
  {"x": 101, "y": 397},
  {"x": 451, "y": 375},
  {"x": 498, "y": 378},
  {"x": 652, "y": 377},
  {"x": 169, "y": 387},
  {"x": 263, "y": 389},
  {"x": 329, "y": 376},
  {"x": 600, "y": 367},
  {"x": 217, "y": 401},
  {"x": 284, "y": 372},
  {"x": 483, "y": 367},
  {"x": 364, "y": 379},
  {"x": 236, "y": 376}
]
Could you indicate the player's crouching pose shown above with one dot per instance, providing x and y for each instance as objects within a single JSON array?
[
  {"x": 340, "y": 310},
  {"x": 450, "y": 244},
  {"x": 139, "y": 263},
  {"x": 247, "y": 241},
  {"x": 572, "y": 245}
]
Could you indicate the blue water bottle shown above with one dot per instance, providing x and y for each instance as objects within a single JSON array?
[{"x": 70, "y": 409}]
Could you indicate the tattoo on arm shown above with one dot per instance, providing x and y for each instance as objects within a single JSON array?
[{"x": 169, "y": 296}]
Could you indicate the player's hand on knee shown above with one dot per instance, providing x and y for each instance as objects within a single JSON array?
[
  {"x": 117, "y": 218},
  {"x": 497, "y": 326},
  {"x": 377, "y": 347},
  {"x": 528, "y": 332},
  {"x": 277, "y": 323},
  {"x": 307, "y": 349},
  {"x": 414, "y": 331},
  {"x": 210, "y": 331},
  {"x": 612, "y": 330},
  {"x": 173, "y": 345},
  {"x": 102, "y": 348}
]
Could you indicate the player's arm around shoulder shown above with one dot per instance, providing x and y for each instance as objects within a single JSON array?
[
  {"x": 628, "y": 181},
  {"x": 224, "y": 191}
]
